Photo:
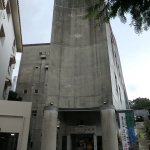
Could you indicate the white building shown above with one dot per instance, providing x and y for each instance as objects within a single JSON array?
[
  {"x": 10, "y": 42},
  {"x": 14, "y": 124}
]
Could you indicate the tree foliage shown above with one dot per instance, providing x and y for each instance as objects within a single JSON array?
[
  {"x": 104, "y": 10},
  {"x": 140, "y": 103},
  {"x": 13, "y": 96}
]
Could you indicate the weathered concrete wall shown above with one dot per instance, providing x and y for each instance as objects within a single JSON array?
[
  {"x": 79, "y": 74},
  {"x": 33, "y": 75}
]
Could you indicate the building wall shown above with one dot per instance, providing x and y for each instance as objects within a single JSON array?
[
  {"x": 7, "y": 49},
  {"x": 15, "y": 118},
  {"x": 33, "y": 75},
  {"x": 80, "y": 76},
  {"x": 81, "y": 72},
  {"x": 119, "y": 95}
]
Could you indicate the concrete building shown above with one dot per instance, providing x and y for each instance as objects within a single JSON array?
[
  {"x": 76, "y": 82},
  {"x": 14, "y": 124},
  {"x": 10, "y": 42}
]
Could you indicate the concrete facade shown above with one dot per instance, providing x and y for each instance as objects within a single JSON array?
[
  {"x": 84, "y": 72},
  {"x": 15, "y": 118},
  {"x": 10, "y": 43}
]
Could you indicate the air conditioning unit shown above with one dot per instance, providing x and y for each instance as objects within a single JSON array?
[
  {"x": 46, "y": 67},
  {"x": 43, "y": 56}
]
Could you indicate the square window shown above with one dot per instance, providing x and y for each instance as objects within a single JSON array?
[
  {"x": 40, "y": 53},
  {"x": 25, "y": 91},
  {"x": 34, "y": 113},
  {"x": 36, "y": 91}
]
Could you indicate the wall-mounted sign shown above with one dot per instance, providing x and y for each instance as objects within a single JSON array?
[
  {"x": 126, "y": 122},
  {"x": 82, "y": 129}
]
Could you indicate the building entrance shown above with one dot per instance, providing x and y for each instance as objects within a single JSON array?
[
  {"x": 8, "y": 141},
  {"x": 82, "y": 142}
]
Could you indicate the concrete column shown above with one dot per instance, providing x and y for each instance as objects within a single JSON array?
[
  {"x": 69, "y": 142},
  {"x": 109, "y": 127},
  {"x": 95, "y": 142},
  {"x": 49, "y": 130}
]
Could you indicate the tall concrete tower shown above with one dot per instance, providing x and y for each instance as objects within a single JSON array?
[
  {"x": 83, "y": 83},
  {"x": 84, "y": 74}
]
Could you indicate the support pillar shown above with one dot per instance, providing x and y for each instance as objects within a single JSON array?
[
  {"x": 95, "y": 142},
  {"x": 49, "y": 130},
  {"x": 109, "y": 127},
  {"x": 69, "y": 142}
]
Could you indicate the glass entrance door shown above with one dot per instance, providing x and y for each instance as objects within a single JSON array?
[{"x": 82, "y": 142}]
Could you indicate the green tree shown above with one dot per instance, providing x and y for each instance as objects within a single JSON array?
[
  {"x": 104, "y": 10},
  {"x": 140, "y": 103},
  {"x": 13, "y": 96}
]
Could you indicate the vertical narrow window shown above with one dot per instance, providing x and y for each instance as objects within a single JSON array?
[
  {"x": 42, "y": 113},
  {"x": 31, "y": 144},
  {"x": 116, "y": 83},
  {"x": 120, "y": 95}
]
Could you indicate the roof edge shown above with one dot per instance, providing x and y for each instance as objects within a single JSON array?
[
  {"x": 17, "y": 24},
  {"x": 36, "y": 44}
]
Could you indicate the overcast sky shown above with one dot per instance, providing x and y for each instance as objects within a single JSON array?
[{"x": 134, "y": 50}]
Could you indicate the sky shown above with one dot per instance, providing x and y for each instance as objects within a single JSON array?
[{"x": 134, "y": 50}]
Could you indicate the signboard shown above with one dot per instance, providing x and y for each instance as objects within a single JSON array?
[
  {"x": 80, "y": 130},
  {"x": 127, "y": 129}
]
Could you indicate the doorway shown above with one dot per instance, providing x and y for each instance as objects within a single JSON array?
[
  {"x": 82, "y": 142},
  {"x": 8, "y": 141}
]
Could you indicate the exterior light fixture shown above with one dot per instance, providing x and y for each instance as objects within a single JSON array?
[
  {"x": 105, "y": 102},
  {"x": 51, "y": 103},
  {"x": 12, "y": 134}
]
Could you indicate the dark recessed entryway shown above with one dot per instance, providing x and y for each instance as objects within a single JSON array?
[
  {"x": 82, "y": 142},
  {"x": 8, "y": 141}
]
